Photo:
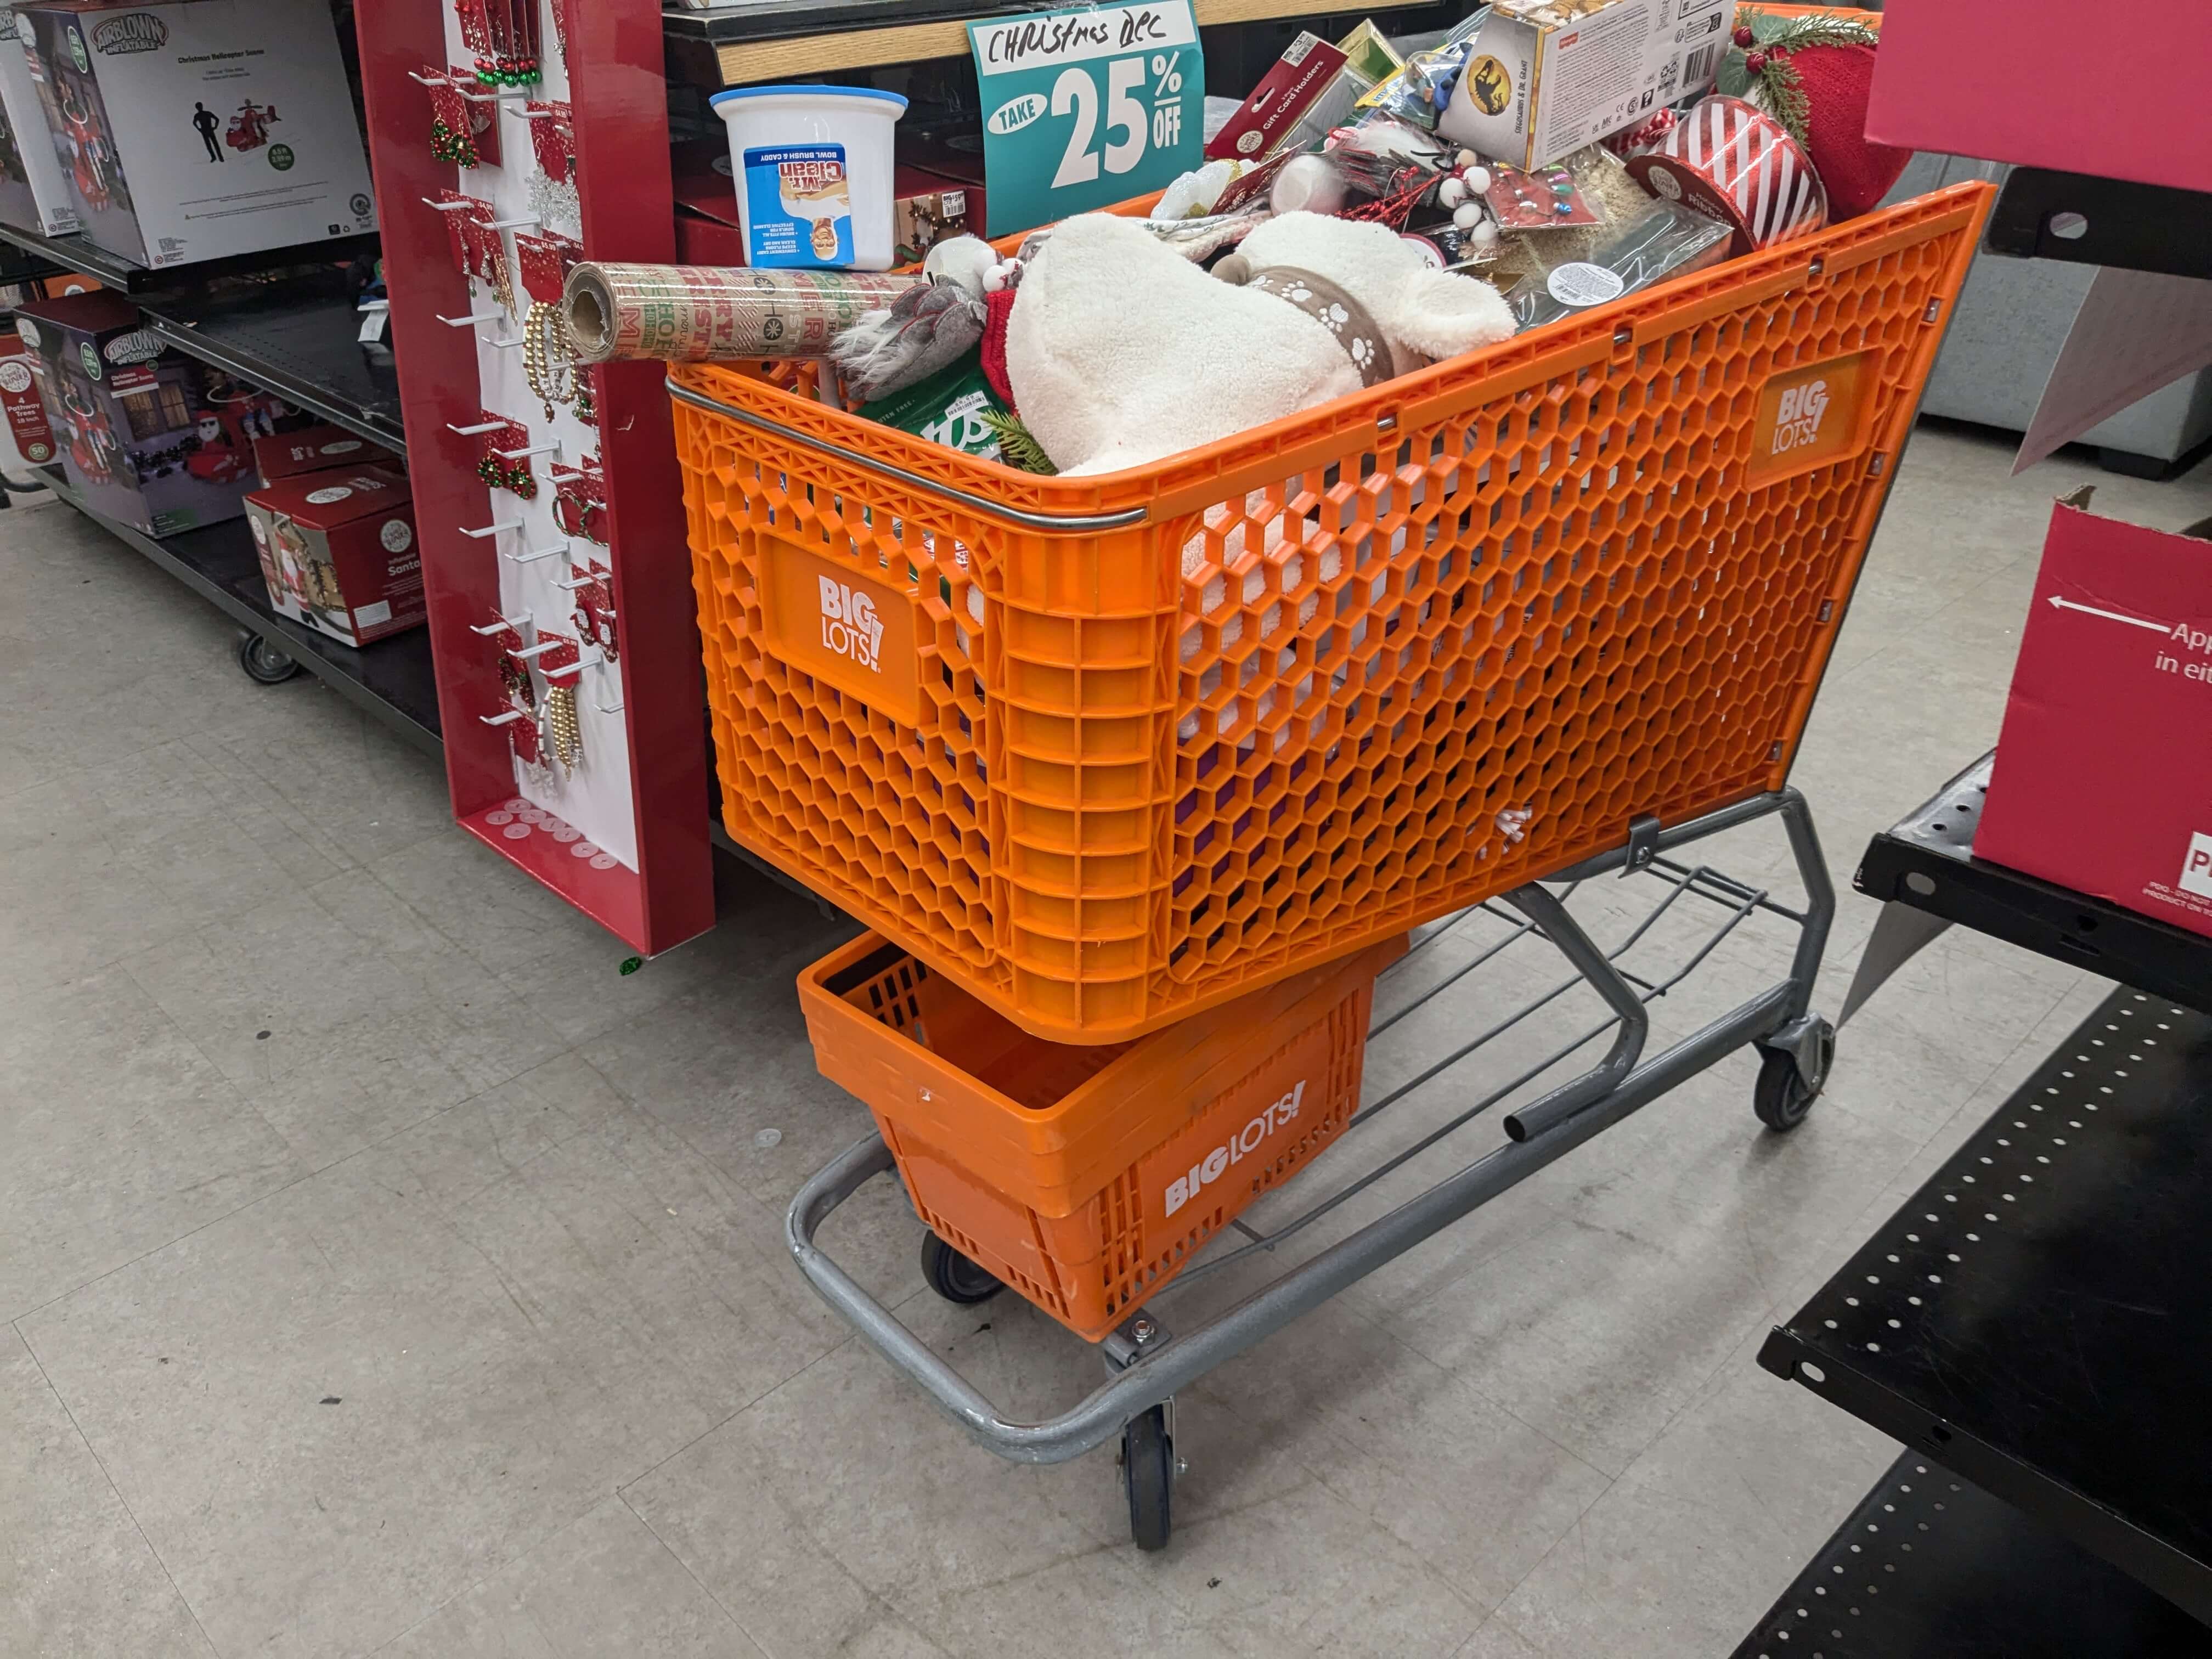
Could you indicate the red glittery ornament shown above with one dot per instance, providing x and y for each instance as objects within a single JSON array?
[
  {"x": 1756, "y": 63},
  {"x": 1744, "y": 37}
]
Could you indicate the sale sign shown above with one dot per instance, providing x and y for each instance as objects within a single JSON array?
[{"x": 1086, "y": 107}]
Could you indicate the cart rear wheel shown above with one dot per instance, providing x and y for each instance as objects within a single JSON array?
[
  {"x": 1148, "y": 1470},
  {"x": 263, "y": 663},
  {"x": 1784, "y": 1096},
  {"x": 952, "y": 1275}
]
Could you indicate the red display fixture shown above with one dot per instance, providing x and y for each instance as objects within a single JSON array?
[{"x": 637, "y": 801}]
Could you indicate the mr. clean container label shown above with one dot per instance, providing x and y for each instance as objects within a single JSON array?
[{"x": 799, "y": 207}]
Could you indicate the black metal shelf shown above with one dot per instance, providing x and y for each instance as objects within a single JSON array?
[
  {"x": 2039, "y": 1316},
  {"x": 87, "y": 259},
  {"x": 1926, "y": 864},
  {"x": 307, "y": 349},
  {"x": 2087, "y": 219},
  {"x": 392, "y": 679},
  {"x": 784, "y": 20},
  {"x": 1931, "y": 1567}
]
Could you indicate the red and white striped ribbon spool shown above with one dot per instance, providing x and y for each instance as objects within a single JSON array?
[{"x": 1740, "y": 165}]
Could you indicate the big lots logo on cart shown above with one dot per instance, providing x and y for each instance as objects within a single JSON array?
[
  {"x": 850, "y": 625},
  {"x": 1810, "y": 415},
  {"x": 1253, "y": 1140},
  {"x": 1797, "y": 420}
]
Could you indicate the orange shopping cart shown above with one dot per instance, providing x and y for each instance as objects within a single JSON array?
[{"x": 1110, "y": 754}]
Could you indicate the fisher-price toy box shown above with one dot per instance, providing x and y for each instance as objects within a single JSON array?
[
  {"x": 339, "y": 552},
  {"x": 149, "y": 437},
  {"x": 192, "y": 129},
  {"x": 33, "y": 192}
]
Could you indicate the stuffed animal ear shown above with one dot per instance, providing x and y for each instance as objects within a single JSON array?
[{"x": 1441, "y": 314}]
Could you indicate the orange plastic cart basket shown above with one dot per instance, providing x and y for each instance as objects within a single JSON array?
[
  {"x": 1110, "y": 751},
  {"x": 1086, "y": 1177}
]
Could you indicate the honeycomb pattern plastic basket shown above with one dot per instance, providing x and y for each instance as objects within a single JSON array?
[
  {"x": 1087, "y": 1177},
  {"x": 1111, "y": 750}
]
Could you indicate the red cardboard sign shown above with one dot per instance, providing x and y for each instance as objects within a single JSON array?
[{"x": 2104, "y": 773}]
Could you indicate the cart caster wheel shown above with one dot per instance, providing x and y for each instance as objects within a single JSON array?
[
  {"x": 952, "y": 1275},
  {"x": 1784, "y": 1093},
  {"x": 263, "y": 663},
  {"x": 1148, "y": 1471}
]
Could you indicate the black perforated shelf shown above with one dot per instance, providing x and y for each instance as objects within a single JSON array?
[
  {"x": 1931, "y": 1567},
  {"x": 1927, "y": 862},
  {"x": 2039, "y": 1315}
]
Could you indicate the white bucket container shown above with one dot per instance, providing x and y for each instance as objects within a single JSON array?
[{"x": 813, "y": 167}]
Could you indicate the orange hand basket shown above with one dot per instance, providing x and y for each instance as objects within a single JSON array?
[
  {"x": 1112, "y": 750},
  {"x": 1086, "y": 1177}
]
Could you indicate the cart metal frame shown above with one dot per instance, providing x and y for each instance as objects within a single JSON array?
[{"x": 1146, "y": 1365}]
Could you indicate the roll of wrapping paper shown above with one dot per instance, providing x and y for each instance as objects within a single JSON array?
[
  {"x": 1739, "y": 165},
  {"x": 701, "y": 313}
]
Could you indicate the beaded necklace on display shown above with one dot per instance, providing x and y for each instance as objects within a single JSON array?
[
  {"x": 549, "y": 359},
  {"x": 561, "y": 727}
]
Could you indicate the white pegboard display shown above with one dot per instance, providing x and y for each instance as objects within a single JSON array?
[{"x": 535, "y": 557}]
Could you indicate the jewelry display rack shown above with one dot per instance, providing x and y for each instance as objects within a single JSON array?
[{"x": 620, "y": 833}]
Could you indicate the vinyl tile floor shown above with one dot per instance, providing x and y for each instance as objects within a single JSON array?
[{"x": 381, "y": 1272}]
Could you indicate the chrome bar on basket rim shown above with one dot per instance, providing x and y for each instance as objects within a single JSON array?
[{"x": 1073, "y": 523}]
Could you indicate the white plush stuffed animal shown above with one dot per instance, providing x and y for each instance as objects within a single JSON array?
[{"x": 1119, "y": 351}]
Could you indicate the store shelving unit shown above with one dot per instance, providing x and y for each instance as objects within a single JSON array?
[
  {"x": 2086, "y": 220},
  {"x": 392, "y": 680},
  {"x": 757, "y": 41},
  {"x": 1924, "y": 872},
  {"x": 2035, "y": 1323},
  {"x": 1929, "y": 1566},
  {"x": 305, "y": 348},
  {"x": 113, "y": 271},
  {"x": 2038, "y": 1316}
]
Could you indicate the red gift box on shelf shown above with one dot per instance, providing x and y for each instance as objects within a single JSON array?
[
  {"x": 2103, "y": 780},
  {"x": 317, "y": 449},
  {"x": 338, "y": 551}
]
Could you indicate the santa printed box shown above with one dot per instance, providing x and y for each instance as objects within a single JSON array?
[
  {"x": 337, "y": 551},
  {"x": 33, "y": 192},
  {"x": 196, "y": 128},
  {"x": 149, "y": 437},
  {"x": 2103, "y": 780}
]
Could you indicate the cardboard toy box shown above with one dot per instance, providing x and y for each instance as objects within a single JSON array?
[
  {"x": 149, "y": 437},
  {"x": 927, "y": 209},
  {"x": 29, "y": 430},
  {"x": 2103, "y": 780},
  {"x": 195, "y": 129},
  {"x": 339, "y": 552},
  {"x": 1548, "y": 76},
  {"x": 34, "y": 193},
  {"x": 317, "y": 449}
]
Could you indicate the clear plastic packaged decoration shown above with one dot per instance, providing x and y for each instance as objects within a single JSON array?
[
  {"x": 1419, "y": 92},
  {"x": 1665, "y": 241}
]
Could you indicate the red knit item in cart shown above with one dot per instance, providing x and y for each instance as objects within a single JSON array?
[
  {"x": 998, "y": 307},
  {"x": 1857, "y": 172}
]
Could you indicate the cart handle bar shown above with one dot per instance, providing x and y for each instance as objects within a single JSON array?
[
  {"x": 1072, "y": 523},
  {"x": 1183, "y": 1359}
]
